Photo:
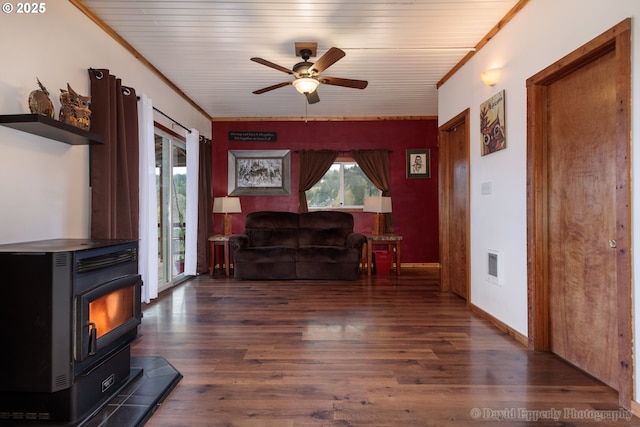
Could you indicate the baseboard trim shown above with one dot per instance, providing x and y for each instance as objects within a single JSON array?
[
  {"x": 522, "y": 339},
  {"x": 430, "y": 265},
  {"x": 635, "y": 408}
]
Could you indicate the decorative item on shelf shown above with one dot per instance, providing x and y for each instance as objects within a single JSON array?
[
  {"x": 379, "y": 206},
  {"x": 226, "y": 205},
  {"x": 39, "y": 101},
  {"x": 74, "y": 109}
]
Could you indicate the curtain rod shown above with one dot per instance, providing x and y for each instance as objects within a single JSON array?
[{"x": 174, "y": 121}]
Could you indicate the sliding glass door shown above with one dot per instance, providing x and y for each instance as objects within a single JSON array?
[{"x": 171, "y": 185}]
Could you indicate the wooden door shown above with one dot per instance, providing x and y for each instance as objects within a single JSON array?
[
  {"x": 454, "y": 205},
  {"x": 582, "y": 218},
  {"x": 578, "y": 215}
]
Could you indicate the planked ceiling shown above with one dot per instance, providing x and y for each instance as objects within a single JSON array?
[{"x": 402, "y": 48}]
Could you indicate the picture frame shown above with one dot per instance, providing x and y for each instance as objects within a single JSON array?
[
  {"x": 419, "y": 163},
  {"x": 259, "y": 172},
  {"x": 493, "y": 124}
]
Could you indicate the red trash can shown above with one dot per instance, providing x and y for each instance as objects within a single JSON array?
[{"x": 382, "y": 261}]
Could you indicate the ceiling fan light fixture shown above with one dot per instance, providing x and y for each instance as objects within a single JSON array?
[{"x": 306, "y": 85}]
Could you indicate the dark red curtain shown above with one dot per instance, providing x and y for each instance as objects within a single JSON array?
[
  {"x": 375, "y": 165},
  {"x": 114, "y": 165},
  {"x": 313, "y": 165},
  {"x": 205, "y": 205}
]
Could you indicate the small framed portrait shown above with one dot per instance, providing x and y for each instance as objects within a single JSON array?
[{"x": 418, "y": 164}]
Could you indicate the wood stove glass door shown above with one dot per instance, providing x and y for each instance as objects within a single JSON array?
[{"x": 108, "y": 317}]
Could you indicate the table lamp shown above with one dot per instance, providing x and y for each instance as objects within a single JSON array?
[
  {"x": 226, "y": 205},
  {"x": 379, "y": 206}
]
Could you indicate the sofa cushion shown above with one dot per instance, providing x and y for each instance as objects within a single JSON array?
[
  {"x": 267, "y": 254},
  {"x": 324, "y": 228},
  {"x": 330, "y": 254},
  {"x": 272, "y": 229}
]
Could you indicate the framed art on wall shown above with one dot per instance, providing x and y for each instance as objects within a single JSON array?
[
  {"x": 418, "y": 163},
  {"x": 492, "y": 124},
  {"x": 259, "y": 172}
]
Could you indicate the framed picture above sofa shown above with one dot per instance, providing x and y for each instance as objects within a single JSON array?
[{"x": 259, "y": 172}]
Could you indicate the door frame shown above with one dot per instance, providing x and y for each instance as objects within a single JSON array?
[
  {"x": 616, "y": 39},
  {"x": 445, "y": 178}
]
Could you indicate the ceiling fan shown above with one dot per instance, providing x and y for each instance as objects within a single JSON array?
[{"x": 307, "y": 74}]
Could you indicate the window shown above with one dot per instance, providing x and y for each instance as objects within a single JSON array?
[{"x": 343, "y": 186}]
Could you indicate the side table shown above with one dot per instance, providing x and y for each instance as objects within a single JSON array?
[
  {"x": 393, "y": 241},
  {"x": 218, "y": 240}
]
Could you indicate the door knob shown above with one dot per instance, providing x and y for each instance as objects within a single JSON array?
[{"x": 613, "y": 243}]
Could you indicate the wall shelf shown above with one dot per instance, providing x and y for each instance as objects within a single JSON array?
[{"x": 44, "y": 126}]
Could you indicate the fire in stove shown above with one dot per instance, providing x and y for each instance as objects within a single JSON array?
[{"x": 110, "y": 311}]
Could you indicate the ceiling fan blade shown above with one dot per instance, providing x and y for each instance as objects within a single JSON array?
[
  {"x": 272, "y": 65},
  {"x": 337, "y": 81},
  {"x": 328, "y": 59},
  {"x": 313, "y": 97},
  {"x": 268, "y": 88}
]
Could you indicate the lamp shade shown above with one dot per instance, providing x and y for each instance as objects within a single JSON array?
[
  {"x": 490, "y": 77},
  {"x": 377, "y": 204},
  {"x": 305, "y": 85},
  {"x": 226, "y": 205}
]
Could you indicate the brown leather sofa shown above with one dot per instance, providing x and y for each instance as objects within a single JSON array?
[{"x": 286, "y": 245}]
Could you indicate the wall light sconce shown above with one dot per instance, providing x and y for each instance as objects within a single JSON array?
[
  {"x": 490, "y": 77},
  {"x": 379, "y": 206},
  {"x": 226, "y": 205}
]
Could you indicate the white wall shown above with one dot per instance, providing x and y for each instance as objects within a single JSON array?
[
  {"x": 543, "y": 32},
  {"x": 43, "y": 183}
]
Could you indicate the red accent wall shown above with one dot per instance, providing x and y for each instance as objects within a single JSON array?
[{"x": 415, "y": 201}]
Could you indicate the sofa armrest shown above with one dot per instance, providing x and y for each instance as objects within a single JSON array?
[
  {"x": 356, "y": 240},
  {"x": 239, "y": 241}
]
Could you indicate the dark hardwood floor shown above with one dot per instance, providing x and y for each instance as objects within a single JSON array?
[{"x": 380, "y": 351}]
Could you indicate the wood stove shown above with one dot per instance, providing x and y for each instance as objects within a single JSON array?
[{"x": 69, "y": 310}]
